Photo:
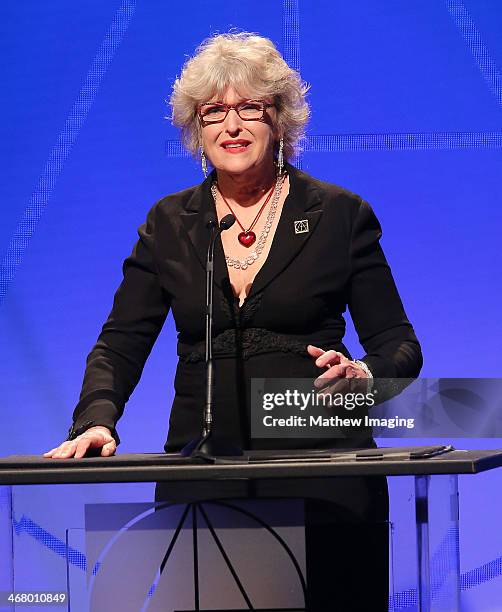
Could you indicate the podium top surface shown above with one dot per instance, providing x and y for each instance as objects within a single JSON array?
[{"x": 152, "y": 467}]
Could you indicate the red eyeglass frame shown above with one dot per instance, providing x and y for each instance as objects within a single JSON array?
[{"x": 229, "y": 107}]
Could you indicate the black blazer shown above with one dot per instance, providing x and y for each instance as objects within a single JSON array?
[{"x": 298, "y": 297}]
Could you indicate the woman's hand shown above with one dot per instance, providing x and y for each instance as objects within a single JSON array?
[
  {"x": 94, "y": 437},
  {"x": 338, "y": 366},
  {"x": 345, "y": 374}
]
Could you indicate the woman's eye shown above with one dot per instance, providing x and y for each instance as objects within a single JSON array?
[{"x": 213, "y": 110}]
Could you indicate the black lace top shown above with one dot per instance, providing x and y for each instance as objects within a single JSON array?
[{"x": 241, "y": 340}]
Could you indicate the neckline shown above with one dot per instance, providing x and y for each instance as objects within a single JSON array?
[
  {"x": 304, "y": 195},
  {"x": 236, "y": 298}
]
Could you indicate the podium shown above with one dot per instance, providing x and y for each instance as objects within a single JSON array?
[{"x": 435, "y": 472}]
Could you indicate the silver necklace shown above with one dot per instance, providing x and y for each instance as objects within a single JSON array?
[{"x": 242, "y": 264}]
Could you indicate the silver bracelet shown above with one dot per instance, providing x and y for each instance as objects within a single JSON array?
[{"x": 364, "y": 367}]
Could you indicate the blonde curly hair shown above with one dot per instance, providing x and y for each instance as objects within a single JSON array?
[{"x": 249, "y": 63}]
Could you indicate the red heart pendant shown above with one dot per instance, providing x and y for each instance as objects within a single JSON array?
[{"x": 246, "y": 238}]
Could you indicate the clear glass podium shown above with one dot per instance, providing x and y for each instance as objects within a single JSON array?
[{"x": 67, "y": 547}]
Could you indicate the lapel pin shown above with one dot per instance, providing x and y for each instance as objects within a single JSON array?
[{"x": 301, "y": 227}]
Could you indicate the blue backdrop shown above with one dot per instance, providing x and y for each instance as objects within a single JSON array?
[{"x": 406, "y": 111}]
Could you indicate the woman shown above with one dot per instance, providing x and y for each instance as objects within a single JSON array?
[{"x": 300, "y": 252}]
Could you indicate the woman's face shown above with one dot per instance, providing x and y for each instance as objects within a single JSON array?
[{"x": 255, "y": 139}]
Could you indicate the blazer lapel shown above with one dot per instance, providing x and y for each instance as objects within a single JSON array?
[
  {"x": 299, "y": 217},
  {"x": 198, "y": 209}
]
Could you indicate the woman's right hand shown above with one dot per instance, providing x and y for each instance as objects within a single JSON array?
[{"x": 94, "y": 437}]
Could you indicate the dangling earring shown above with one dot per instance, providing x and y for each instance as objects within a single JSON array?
[
  {"x": 280, "y": 157},
  {"x": 203, "y": 161}
]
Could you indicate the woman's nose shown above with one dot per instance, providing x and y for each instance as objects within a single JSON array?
[{"x": 233, "y": 121}]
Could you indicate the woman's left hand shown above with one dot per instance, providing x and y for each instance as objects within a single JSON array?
[{"x": 338, "y": 366}]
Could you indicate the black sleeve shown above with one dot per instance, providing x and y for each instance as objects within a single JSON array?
[
  {"x": 115, "y": 364},
  {"x": 392, "y": 349}
]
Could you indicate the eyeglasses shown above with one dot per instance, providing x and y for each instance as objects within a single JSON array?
[{"x": 216, "y": 112}]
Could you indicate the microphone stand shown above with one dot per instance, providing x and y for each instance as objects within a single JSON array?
[{"x": 209, "y": 446}]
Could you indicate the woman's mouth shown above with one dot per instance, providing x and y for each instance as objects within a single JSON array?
[{"x": 235, "y": 146}]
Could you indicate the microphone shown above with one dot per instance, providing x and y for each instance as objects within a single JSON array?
[
  {"x": 208, "y": 447},
  {"x": 227, "y": 222},
  {"x": 210, "y": 221}
]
